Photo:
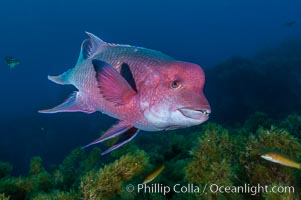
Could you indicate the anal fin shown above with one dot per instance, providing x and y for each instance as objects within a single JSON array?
[{"x": 73, "y": 103}]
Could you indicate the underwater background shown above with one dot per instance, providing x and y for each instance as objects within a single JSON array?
[{"x": 250, "y": 52}]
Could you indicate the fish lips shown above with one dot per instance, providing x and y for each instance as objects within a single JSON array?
[{"x": 196, "y": 113}]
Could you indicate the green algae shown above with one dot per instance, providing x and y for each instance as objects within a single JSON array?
[
  {"x": 3, "y": 197},
  {"x": 106, "y": 182},
  {"x": 5, "y": 169},
  {"x": 211, "y": 161},
  {"x": 204, "y": 155},
  {"x": 57, "y": 195}
]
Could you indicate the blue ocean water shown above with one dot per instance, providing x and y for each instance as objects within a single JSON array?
[{"x": 46, "y": 37}]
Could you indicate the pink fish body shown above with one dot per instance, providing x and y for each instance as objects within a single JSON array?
[{"x": 142, "y": 88}]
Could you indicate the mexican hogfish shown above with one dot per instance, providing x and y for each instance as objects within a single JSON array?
[{"x": 142, "y": 88}]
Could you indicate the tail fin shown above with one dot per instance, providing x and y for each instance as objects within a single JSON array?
[
  {"x": 74, "y": 103},
  {"x": 62, "y": 79}
]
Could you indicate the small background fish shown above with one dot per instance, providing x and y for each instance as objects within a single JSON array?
[
  {"x": 153, "y": 175},
  {"x": 290, "y": 23},
  {"x": 281, "y": 159},
  {"x": 11, "y": 61}
]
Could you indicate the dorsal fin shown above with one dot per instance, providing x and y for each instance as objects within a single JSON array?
[{"x": 90, "y": 47}]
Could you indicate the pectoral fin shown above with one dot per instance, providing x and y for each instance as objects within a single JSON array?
[{"x": 112, "y": 85}]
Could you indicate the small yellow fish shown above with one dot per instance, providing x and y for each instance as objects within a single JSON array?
[
  {"x": 276, "y": 158},
  {"x": 153, "y": 175}
]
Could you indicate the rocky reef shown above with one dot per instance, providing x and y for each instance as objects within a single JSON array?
[
  {"x": 269, "y": 82},
  {"x": 205, "y": 155}
]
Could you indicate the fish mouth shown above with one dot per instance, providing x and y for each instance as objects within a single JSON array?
[{"x": 196, "y": 113}]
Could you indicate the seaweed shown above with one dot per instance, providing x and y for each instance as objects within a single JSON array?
[
  {"x": 3, "y": 197},
  {"x": 202, "y": 156},
  {"x": 64, "y": 175},
  {"x": 258, "y": 171},
  {"x": 211, "y": 162},
  {"x": 106, "y": 183},
  {"x": 292, "y": 123},
  {"x": 58, "y": 195},
  {"x": 15, "y": 187},
  {"x": 5, "y": 169}
]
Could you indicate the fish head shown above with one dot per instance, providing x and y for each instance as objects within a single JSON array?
[
  {"x": 271, "y": 156},
  {"x": 268, "y": 157},
  {"x": 175, "y": 99}
]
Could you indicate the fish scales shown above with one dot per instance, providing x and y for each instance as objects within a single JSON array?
[{"x": 144, "y": 89}]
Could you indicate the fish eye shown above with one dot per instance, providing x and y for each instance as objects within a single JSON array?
[{"x": 176, "y": 84}]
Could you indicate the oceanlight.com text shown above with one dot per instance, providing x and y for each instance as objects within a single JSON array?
[
  {"x": 209, "y": 188},
  {"x": 250, "y": 189}
]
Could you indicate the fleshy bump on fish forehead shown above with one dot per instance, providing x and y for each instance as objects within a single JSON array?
[
  {"x": 169, "y": 108},
  {"x": 187, "y": 72},
  {"x": 192, "y": 79}
]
